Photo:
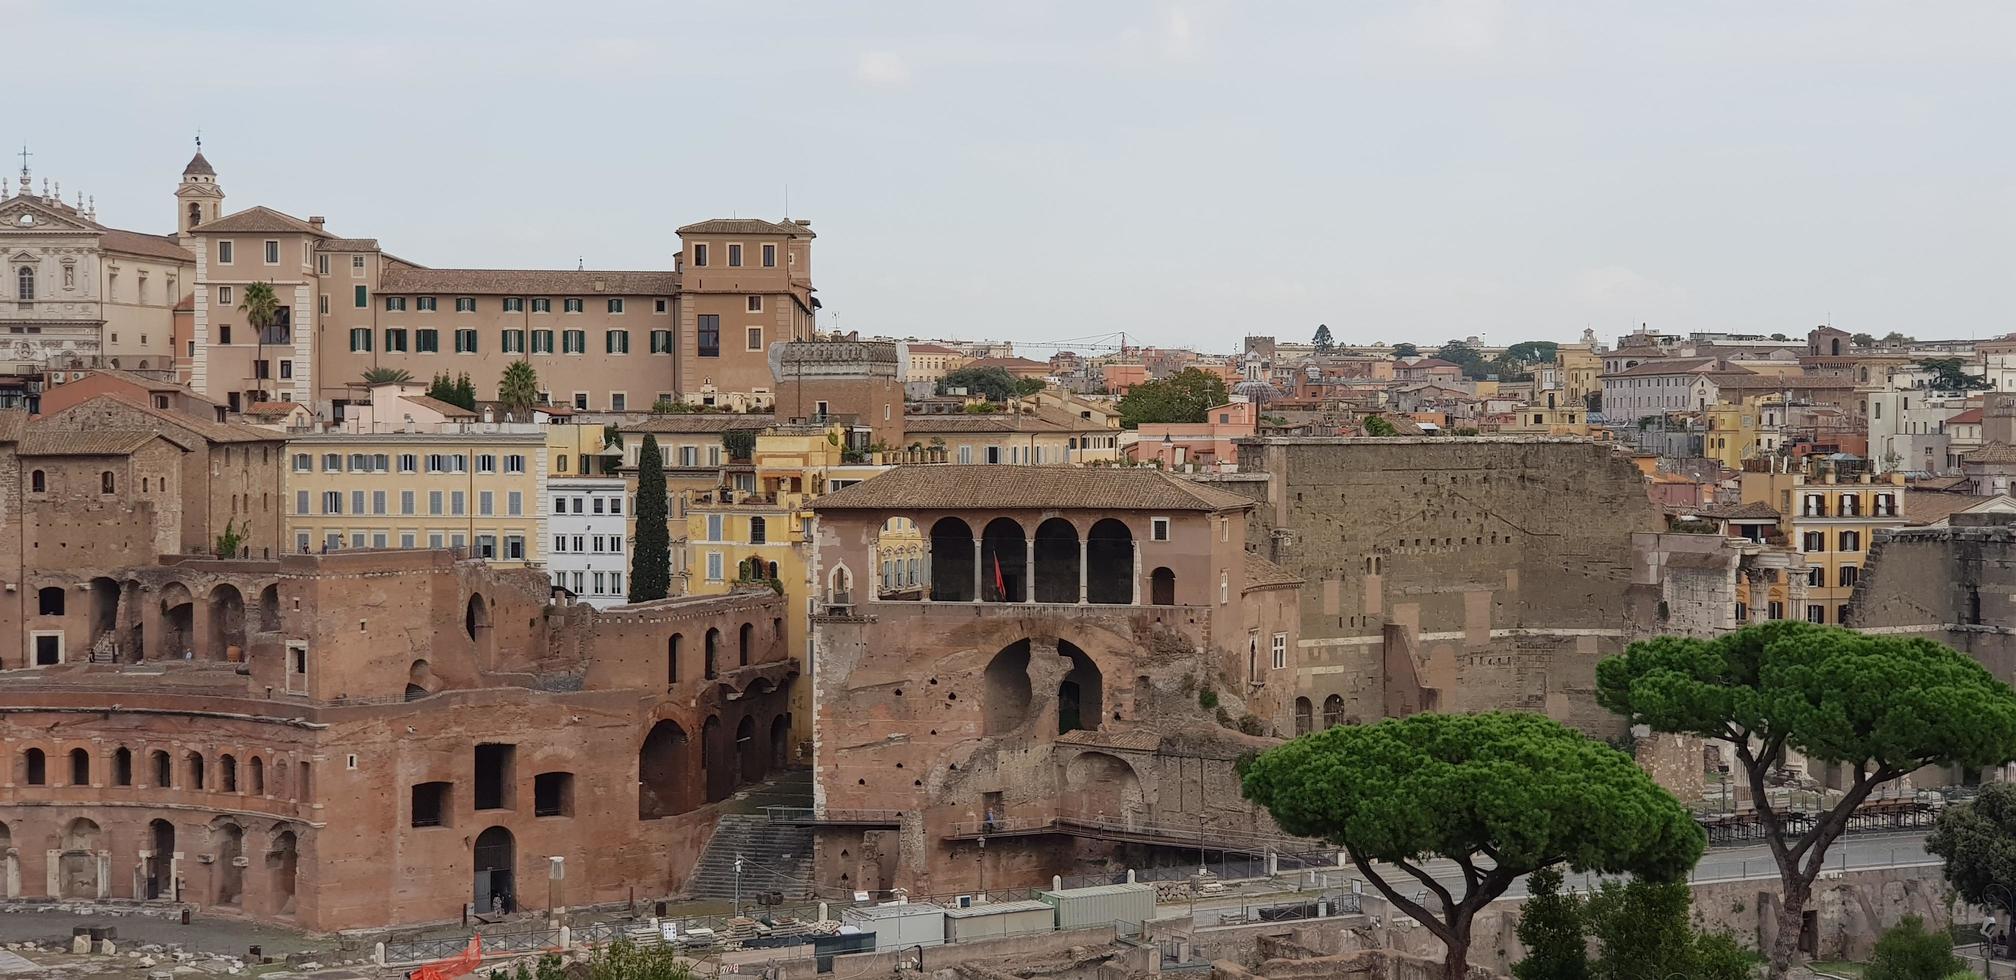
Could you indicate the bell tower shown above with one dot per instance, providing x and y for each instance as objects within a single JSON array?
[{"x": 199, "y": 199}]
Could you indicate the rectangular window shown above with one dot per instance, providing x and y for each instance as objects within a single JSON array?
[
  {"x": 574, "y": 341},
  {"x": 661, "y": 341},
  {"x": 486, "y": 503},
  {"x": 465, "y": 341},
  {"x": 304, "y": 463},
  {"x": 714, "y": 527},
  {"x": 409, "y": 463},
  {"x": 225, "y": 250},
  {"x": 616, "y": 341},
  {"x": 434, "y": 505},
  {"x": 755, "y": 338},
  {"x": 378, "y": 502},
  {"x": 356, "y": 501},
  {"x": 659, "y": 305},
  {"x": 514, "y": 463},
  {"x": 224, "y": 296},
  {"x": 713, "y": 566},
  {"x": 486, "y": 462},
  {"x": 465, "y": 304},
  {"x": 699, "y": 255},
  {"x": 514, "y": 341},
  {"x": 395, "y": 304},
  {"x": 1158, "y": 529},
  {"x": 406, "y": 503},
  {"x": 300, "y": 501},
  {"x": 458, "y": 503},
  {"x": 710, "y": 335},
  {"x": 272, "y": 252},
  {"x": 302, "y": 542},
  {"x": 514, "y": 547},
  {"x": 615, "y": 305},
  {"x": 356, "y": 266},
  {"x": 542, "y": 304},
  {"x": 618, "y": 401},
  {"x": 427, "y": 340},
  {"x": 332, "y": 501},
  {"x": 1280, "y": 651},
  {"x": 363, "y": 297},
  {"x": 395, "y": 339},
  {"x": 514, "y": 503},
  {"x": 734, "y": 255},
  {"x": 542, "y": 341},
  {"x": 423, "y": 304},
  {"x": 1816, "y": 614},
  {"x": 571, "y": 304},
  {"x": 581, "y": 404},
  {"x": 769, "y": 256},
  {"x": 514, "y": 304},
  {"x": 224, "y": 334},
  {"x": 323, "y": 305},
  {"x": 754, "y": 304}
]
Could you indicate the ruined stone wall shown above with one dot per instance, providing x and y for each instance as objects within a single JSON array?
[
  {"x": 1456, "y": 574},
  {"x": 1951, "y": 585}
]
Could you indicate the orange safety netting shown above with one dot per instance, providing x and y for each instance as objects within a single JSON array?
[{"x": 449, "y": 969}]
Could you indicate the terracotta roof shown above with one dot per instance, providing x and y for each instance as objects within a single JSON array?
[
  {"x": 1264, "y": 574},
  {"x": 1755, "y": 510},
  {"x": 271, "y": 408},
  {"x": 410, "y": 279},
  {"x": 932, "y": 349},
  {"x": 746, "y": 226},
  {"x": 1430, "y": 362},
  {"x": 1039, "y": 419},
  {"x": 1676, "y": 365},
  {"x": 1011, "y": 363},
  {"x": 348, "y": 245},
  {"x": 1971, "y": 416},
  {"x": 1931, "y": 507},
  {"x": 37, "y": 441},
  {"x": 201, "y": 428},
  {"x": 947, "y": 486},
  {"x": 685, "y": 423},
  {"x": 1773, "y": 382},
  {"x": 437, "y": 405},
  {"x": 260, "y": 219},
  {"x": 12, "y": 421},
  {"x": 140, "y": 243},
  {"x": 199, "y": 166},
  {"x": 1999, "y": 453}
]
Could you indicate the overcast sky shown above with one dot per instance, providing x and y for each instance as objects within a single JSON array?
[{"x": 1187, "y": 172}]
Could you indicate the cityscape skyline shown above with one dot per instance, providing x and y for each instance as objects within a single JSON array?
[{"x": 1803, "y": 173}]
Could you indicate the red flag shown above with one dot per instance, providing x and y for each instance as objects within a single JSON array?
[
  {"x": 1000, "y": 584},
  {"x": 470, "y": 958}
]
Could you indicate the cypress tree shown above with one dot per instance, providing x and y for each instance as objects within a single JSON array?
[{"x": 650, "y": 559}]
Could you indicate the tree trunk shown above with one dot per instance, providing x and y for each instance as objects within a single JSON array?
[
  {"x": 1456, "y": 965},
  {"x": 1784, "y": 951}
]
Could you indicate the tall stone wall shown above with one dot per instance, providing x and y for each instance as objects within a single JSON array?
[{"x": 1456, "y": 574}]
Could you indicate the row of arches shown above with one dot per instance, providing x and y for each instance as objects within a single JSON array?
[
  {"x": 82, "y": 853},
  {"x": 115, "y": 619},
  {"x": 746, "y": 652},
  {"x": 186, "y": 769},
  {"x": 1004, "y": 564},
  {"x": 1010, "y": 692},
  {"x": 1305, "y": 714},
  {"x": 677, "y": 774}
]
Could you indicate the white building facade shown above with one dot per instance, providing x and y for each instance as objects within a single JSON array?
[{"x": 587, "y": 554}]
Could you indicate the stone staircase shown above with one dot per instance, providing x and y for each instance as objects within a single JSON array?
[{"x": 775, "y": 857}]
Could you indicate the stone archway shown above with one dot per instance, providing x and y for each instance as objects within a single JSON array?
[
  {"x": 227, "y": 623},
  {"x": 178, "y": 622},
  {"x": 951, "y": 561},
  {"x": 1005, "y": 706},
  {"x": 159, "y": 870},
  {"x": 665, "y": 772},
  {"x": 282, "y": 864},
  {"x": 10, "y": 864},
  {"x": 1057, "y": 569},
  {"x": 1004, "y": 562},
  {"x": 1081, "y": 694},
  {"x": 495, "y": 859},
  {"x": 228, "y": 840},
  {"x": 1103, "y": 787},
  {"x": 1109, "y": 563},
  {"x": 80, "y": 864},
  {"x": 749, "y": 754}
]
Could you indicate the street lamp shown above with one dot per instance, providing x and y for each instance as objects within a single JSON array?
[
  {"x": 738, "y": 883},
  {"x": 983, "y": 867}
]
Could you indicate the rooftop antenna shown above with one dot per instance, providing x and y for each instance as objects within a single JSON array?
[
  {"x": 580, "y": 263},
  {"x": 787, "y": 202},
  {"x": 199, "y": 139}
]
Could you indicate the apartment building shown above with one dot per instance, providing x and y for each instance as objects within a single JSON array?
[
  {"x": 1024, "y": 434},
  {"x": 1832, "y": 524},
  {"x": 589, "y": 554},
  {"x": 476, "y": 490},
  {"x": 604, "y": 340}
]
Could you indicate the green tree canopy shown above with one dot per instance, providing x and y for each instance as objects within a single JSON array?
[
  {"x": 1882, "y": 706},
  {"x": 1907, "y": 951},
  {"x": 1949, "y": 374},
  {"x": 1376, "y": 425},
  {"x": 387, "y": 376},
  {"x": 1182, "y": 397},
  {"x": 1323, "y": 342},
  {"x": 1977, "y": 839},
  {"x": 442, "y": 389},
  {"x": 518, "y": 388},
  {"x": 740, "y": 444},
  {"x": 992, "y": 383},
  {"x": 1862, "y": 340},
  {"x": 1895, "y": 337},
  {"x": 1641, "y": 929},
  {"x": 650, "y": 552},
  {"x": 1404, "y": 349},
  {"x": 1025, "y": 387},
  {"x": 1498, "y": 794},
  {"x": 1553, "y": 928},
  {"x": 465, "y": 392}
]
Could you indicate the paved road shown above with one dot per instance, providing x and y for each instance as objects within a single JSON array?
[{"x": 1850, "y": 853}]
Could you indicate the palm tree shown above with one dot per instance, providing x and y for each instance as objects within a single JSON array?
[
  {"x": 518, "y": 390},
  {"x": 387, "y": 376},
  {"x": 262, "y": 310}
]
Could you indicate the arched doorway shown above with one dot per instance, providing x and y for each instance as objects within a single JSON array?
[
  {"x": 10, "y": 864},
  {"x": 1102, "y": 787},
  {"x": 1080, "y": 698},
  {"x": 1056, "y": 561},
  {"x": 230, "y": 846},
  {"x": 1304, "y": 716},
  {"x": 1109, "y": 563},
  {"x": 951, "y": 561},
  {"x": 1006, "y": 705},
  {"x": 1162, "y": 587},
  {"x": 476, "y": 623},
  {"x": 748, "y": 754},
  {"x": 160, "y": 868},
  {"x": 79, "y": 871},
  {"x": 1004, "y": 561},
  {"x": 662, "y": 789},
  {"x": 281, "y": 863},
  {"x": 269, "y": 609},
  {"x": 178, "y": 621},
  {"x": 780, "y": 742},
  {"x": 1333, "y": 711},
  {"x": 227, "y": 623},
  {"x": 495, "y": 855},
  {"x": 420, "y": 680},
  {"x": 104, "y": 609},
  {"x": 716, "y": 759}
]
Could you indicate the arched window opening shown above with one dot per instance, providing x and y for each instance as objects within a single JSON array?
[
  {"x": 1057, "y": 568},
  {"x": 80, "y": 767},
  {"x": 746, "y": 640},
  {"x": 749, "y": 755},
  {"x": 1006, "y": 704},
  {"x": 712, "y": 665},
  {"x": 122, "y": 767},
  {"x": 951, "y": 561},
  {"x": 1109, "y": 563},
  {"x": 1333, "y": 711},
  {"x": 35, "y": 768},
  {"x": 1162, "y": 587},
  {"x": 227, "y": 773},
  {"x": 38, "y": 482},
  {"x": 1079, "y": 695},
  {"x": 256, "y": 768},
  {"x": 196, "y": 771},
  {"x": 1304, "y": 712},
  {"x": 672, "y": 658},
  {"x": 164, "y": 770},
  {"x": 1004, "y": 560},
  {"x": 106, "y": 482}
]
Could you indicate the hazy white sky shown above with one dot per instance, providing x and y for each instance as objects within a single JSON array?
[{"x": 1188, "y": 172}]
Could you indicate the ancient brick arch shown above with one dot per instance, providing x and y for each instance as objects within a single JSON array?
[{"x": 1104, "y": 787}]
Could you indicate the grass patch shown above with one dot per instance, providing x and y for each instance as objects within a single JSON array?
[{"x": 1839, "y": 968}]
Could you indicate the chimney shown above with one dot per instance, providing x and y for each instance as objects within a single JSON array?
[{"x": 315, "y": 221}]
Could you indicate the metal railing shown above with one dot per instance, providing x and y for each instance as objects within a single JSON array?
[
  {"x": 812, "y": 815},
  {"x": 1746, "y": 828},
  {"x": 518, "y": 940}
]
